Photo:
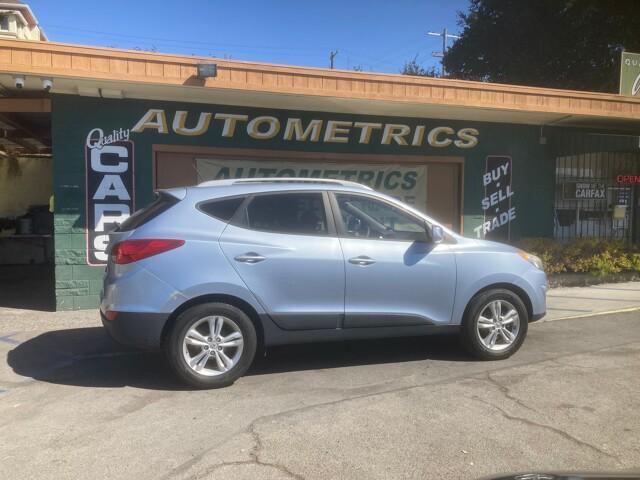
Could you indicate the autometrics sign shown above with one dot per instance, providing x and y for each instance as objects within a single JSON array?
[
  {"x": 293, "y": 129},
  {"x": 406, "y": 183},
  {"x": 630, "y": 74}
]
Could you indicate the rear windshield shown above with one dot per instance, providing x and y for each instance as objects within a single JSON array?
[{"x": 162, "y": 203}]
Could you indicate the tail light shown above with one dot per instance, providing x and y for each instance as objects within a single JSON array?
[{"x": 133, "y": 250}]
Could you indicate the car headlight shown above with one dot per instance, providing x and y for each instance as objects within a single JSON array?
[{"x": 532, "y": 259}]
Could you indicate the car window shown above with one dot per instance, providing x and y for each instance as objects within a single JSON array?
[
  {"x": 296, "y": 213},
  {"x": 222, "y": 209},
  {"x": 161, "y": 204},
  {"x": 365, "y": 217}
]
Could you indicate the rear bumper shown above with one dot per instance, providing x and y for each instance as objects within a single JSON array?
[{"x": 141, "y": 330}]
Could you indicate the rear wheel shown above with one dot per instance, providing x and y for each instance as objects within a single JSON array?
[
  {"x": 211, "y": 345},
  {"x": 495, "y": 325}
]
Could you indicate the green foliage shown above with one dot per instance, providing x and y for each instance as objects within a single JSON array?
[
  {"x": 598, "y": 257},
  {"x": 414, "y": 68},
  {"x": 572, "y": 44}
]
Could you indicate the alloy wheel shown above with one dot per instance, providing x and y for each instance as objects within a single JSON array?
[
  {"x": 498, "y": 325},
  {"x": 212, "y": 345}
]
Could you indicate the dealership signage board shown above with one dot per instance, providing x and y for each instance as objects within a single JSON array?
[
  {"x": 583, "y": 191},
  {"x": 496, "y": 204},
  {"x": 406, "y": 183},
  {"x": 110, "y": 195},
  {"x": 292, "y": 130},
  {"x": 630, "y": 74}
]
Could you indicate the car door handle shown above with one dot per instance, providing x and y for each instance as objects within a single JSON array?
[
  {"x": 362, "y": 260},
  {"x": 250, "y": 257}
]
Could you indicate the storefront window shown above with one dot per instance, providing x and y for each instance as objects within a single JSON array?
[{"x": 590, "y": 201}]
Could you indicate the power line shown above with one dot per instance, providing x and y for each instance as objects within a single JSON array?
[
  {"x": 114, "y": 35},
  {"x": 208, "y": 48}
]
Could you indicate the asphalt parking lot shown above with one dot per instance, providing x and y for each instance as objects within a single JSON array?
[{"x": 74, "y": 405}]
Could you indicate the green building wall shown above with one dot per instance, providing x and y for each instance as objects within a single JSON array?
[{"x": 78, "y": 284}]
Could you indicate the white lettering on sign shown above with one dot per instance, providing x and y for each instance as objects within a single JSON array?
[
  {"x": 109, "y": 188},
  {"x": 635, "y": 88},
  {"x": 496, "y": 222},
  {"x": 97, "y": 139},
  {"x": 496, "y": 203},
  {"x": 590, "y": 190},
  {"x": 495, "y": 174}
]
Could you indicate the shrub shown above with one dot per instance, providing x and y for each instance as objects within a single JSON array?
[{"x": 584, "y": 255}]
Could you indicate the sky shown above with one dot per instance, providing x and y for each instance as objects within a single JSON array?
[{"x": 375, "y": 35}]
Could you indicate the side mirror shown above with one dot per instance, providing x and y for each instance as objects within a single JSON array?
[{"x": 437, "y": 234}]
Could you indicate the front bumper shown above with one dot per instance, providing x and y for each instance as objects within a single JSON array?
[
  {"x": 537, "y": 316},
  {"x": 136, "y": 329}
]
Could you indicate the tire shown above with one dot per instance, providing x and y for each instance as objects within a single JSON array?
[
  {"x": 473, "y": 336},
  {"x": 237, "y": 341}
]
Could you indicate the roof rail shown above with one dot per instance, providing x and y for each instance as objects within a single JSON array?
[{"x": 240, "y": 181}]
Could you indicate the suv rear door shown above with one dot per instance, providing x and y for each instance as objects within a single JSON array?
[{"x": 284, "y": 247}]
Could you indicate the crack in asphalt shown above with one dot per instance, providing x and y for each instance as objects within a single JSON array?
[
  {"x": 558, "y": 431},
  {"x": 573, "y": 365},
  {"x": 254, "y": 455},
  {"x": 258, "y": 447},
  {"x": 506, "y": 391},
  {"x": 250, "y": 429}
]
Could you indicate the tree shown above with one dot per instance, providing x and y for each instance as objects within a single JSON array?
[
  {"x": 572, "y": 44},
  {"x": 412, "y": 67}
]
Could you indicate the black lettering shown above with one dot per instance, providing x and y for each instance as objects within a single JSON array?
[
  {"x": 365, "y": 177},
  {"x": 267, "y": 172},
  {"x": 223, "y": 174},
  {"x": 287, "y": 172},
  {"x": 409, "y": 180},
  {"x": 387, "y": 182}
]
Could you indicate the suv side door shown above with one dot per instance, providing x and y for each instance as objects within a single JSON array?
[
  {"x": 285, "y": 248},
  {"x": 395, "y": 274}
]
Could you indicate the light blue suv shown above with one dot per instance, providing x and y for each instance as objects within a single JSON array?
[{"x": 215, "y": 272}]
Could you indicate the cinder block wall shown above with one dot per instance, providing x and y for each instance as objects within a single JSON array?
[{"x": 77, "y": 284}]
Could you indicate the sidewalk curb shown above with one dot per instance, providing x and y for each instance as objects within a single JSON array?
[{"x": 592, "y": 314}]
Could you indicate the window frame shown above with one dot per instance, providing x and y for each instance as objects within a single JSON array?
[
  {"x": 202, "y": 203},
  {"x": 342, "y": 229},
  {"x": 240, "y": 219}
]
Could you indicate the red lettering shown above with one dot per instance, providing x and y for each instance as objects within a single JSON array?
[{"x": 628, "y": 179}]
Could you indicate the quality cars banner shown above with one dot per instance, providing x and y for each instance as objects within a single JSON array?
[{"x": 404, "y": 182}]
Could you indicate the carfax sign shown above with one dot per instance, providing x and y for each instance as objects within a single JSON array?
[
  {"x": 584, "y": 191},
  {"x": 630, "y": 74}
]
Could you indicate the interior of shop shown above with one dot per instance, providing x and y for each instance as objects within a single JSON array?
[
  {"x": 26, "y": 205},
  {"x": 590, "y": 199}
]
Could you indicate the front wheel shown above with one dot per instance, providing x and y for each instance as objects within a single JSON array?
[
  {"x": 211, "y": 345},
  {"x": 495, "y": 325}
]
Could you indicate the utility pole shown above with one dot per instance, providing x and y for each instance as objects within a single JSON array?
[
  {"x": 332, "y": 55},
  {"x": 445, "y": 44}
]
